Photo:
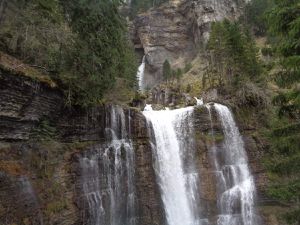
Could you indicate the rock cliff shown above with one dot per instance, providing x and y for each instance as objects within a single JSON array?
[
  {"x": 45, "y": 145},
  {"x": 176, "y": 31},
  {"x": 44, "y": 173},
  {"x": 39, "y": 165}
]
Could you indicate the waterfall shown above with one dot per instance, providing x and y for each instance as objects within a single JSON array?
[
  {"x": 177, "y": 181},
  {"x": 140, "y": 75},
  {"x": 199, "y": 101},
  {"x": 28, "y": 197},
  {"x": 235, "y": 184},
  {"x": 107, "y": 175},
  {"x": 178, "y": 177}
]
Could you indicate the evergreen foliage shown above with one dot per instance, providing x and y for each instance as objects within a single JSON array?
[
  {"x": 284, "y": 160},
  {"x": 187, "y": 67},
  {"x": 167, "y": 72},
  {"x": 254, "y": 15},
  {"x": 178, "y": 74},
  {"x": 233, "y": 56},
  {"x": 83, "y": 42},
  {"x": 101, "y": 50}
]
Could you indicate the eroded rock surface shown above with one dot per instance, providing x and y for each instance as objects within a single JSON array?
[{"x": 176, "y": 31}]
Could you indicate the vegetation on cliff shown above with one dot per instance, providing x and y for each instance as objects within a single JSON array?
[
  {"x": 83, "y": 44},
  {"x": 284, "y": 161},
  {"x": 236, "y": 63},
  {"x": 279, "y": 21},
  {"x": 143, "y": 5},
  {"x": 233, "y": 58}
]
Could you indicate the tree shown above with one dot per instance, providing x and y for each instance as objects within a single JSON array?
[
  {"x": 254, "y": 15},
  {"x": 178, "y": 74},
  {"x": 167, "y": 72},
  {"x": 284, "y": 160},
  {"x": 83, "y": 43},
  {"x": 101, "y": 51},
  {"x": 233, "y": 57}
]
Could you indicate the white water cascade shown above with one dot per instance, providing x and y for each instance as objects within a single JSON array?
[
  {"x": 178, "y": 183},
  {"x": 107, "y": 175},
  {"x": 235, "y": 184},
  {"x": 28, "y": 197},
  {"x": 140, "y": 75},
  {"x": 199, "y": 101}
]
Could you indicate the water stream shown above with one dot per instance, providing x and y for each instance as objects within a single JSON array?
[
  {"x": 235, "y": 184},
  {"x": 178, "y": 177},
  {"x": 107, "y": 175},
  {"x": 178, "y": 186},
  {"x": 140, "y": 75}
]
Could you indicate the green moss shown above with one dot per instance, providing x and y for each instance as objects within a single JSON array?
[
  {"x": 200, "y": 110},
  {"x": 56, "y": 207},
  {"x": 17, "y": 67},
  {"x": 273, "y": 214},
  {"x": 44, "y": 131},
  {"x": 78, "y": 145},
  {"x": 214, "y": 138},
  {"x": 26, "y": 221},
  {"x": 209, "y": 138}
]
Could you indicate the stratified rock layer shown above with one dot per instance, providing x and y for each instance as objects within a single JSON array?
[
  {"x": 176, "y": 31},
  {"x": 39, "y": 161}
]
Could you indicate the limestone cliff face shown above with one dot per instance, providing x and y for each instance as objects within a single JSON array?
[
  {"x": 40, "y": 170},
  {"x": 24, "y": 102},
  {"x": 41, "y": 178},
  {"x": 176, "y": 31}
]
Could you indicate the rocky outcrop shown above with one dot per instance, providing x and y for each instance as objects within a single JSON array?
[
  {"x": 171, "y": 97},
  {"x": 43, "y": 174},
  {"x": 18, "y": 200},
  {"x": 42, "y": 171},
  {"x": 24, "y": 102},
  {"x": 176, "y": 30}
]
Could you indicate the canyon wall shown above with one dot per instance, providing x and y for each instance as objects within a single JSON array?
[
  {"x": 52, "y": 156},
  {"x": 176, "y": 31},
  {"x": 43, "y": 144}
]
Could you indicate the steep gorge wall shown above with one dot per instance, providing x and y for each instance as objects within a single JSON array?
[
  {"x": 40, "y": 162},
  {"x": 40, "y": 179},
  {"x": 43, "y": 174},
  {"x": 176, "y": 31}
]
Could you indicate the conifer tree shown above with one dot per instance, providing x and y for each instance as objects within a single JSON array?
[
  {"x": 284, "y": 162},
  {"x": 167, "y": 72},
  {"x": 233, "y": 55},
  {"x": 101, "y": 51}
]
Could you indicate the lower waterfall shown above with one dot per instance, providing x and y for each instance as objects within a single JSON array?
[
  {"x": 178, "y": 177},
  {"x": 107, "y": 175},
  {"x": 235, "y": 184},
  {"x": 179, "y": 187},
  {"x": 107, "y": 171}
]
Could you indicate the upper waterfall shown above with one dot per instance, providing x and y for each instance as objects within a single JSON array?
[{"x": 140, "y": 75}]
